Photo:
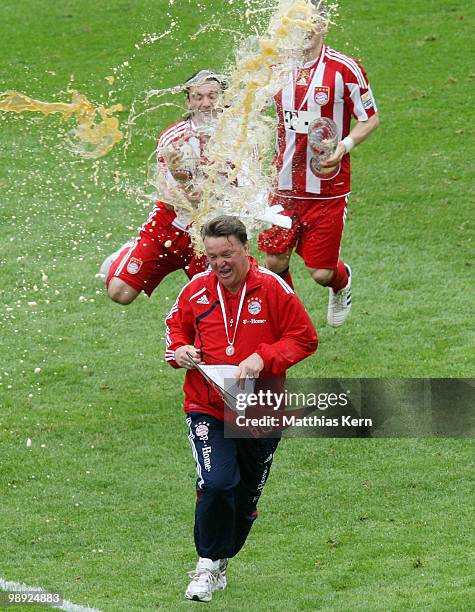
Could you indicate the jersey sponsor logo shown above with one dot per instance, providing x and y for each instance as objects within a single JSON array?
[
  {"x": 254, "y": 321},
  {"x": 321, "y": 95},
  {"x": 291, "y": 119},
  {"x": 260, "y": 486},
  {"x": 202, "y": 300},
  {"x": 134, "y": 265},
  {"x": 206, "y": 452},
  {"x": 254, "y": 306},
  {"x": 298, "y": 121},
  {"x": 367, "y": 100}
]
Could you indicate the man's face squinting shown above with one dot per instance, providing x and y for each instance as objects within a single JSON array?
[
  {"x": 203, "y": 100},
  {"x": 228, "y": 259}
]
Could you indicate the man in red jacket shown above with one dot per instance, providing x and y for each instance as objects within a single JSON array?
[{"x": 241, "y": 314}]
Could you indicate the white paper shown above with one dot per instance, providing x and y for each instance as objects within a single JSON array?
[{"x": 225, "y": 377}]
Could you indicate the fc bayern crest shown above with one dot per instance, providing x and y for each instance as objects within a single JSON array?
[
  {"x": 202, "y": 429},
  {"x": 134, "y": 265},
  {"x": 254, "y": 306},
  {"x": 321, "y": 95}
]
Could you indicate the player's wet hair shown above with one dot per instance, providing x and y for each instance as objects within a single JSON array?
[
  {"x": 322, "y": 13},
  {"x": 204, "y": 76},
  {"x": 224, "y": 226},
  {"x": 320, "y": 6}
]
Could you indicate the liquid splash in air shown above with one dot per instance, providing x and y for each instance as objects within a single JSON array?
[
  {"x": 232, "y": 177},
  {"x": 96, "y": 131}
]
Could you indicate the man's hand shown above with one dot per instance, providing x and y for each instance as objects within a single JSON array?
[
  {"x": 251, "y": 367},
  {"x": 173, "y": 157},
  {"x": 193, "y": 197},
  {"x": 360, "y": 132},
  {"x": 182, "y": 358},
  {"x": 335, "y": 158}
]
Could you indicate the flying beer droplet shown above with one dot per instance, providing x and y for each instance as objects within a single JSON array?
[{"x": 96, "y": 132}]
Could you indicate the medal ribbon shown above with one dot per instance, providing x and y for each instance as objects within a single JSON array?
[{"x": 225, "y": 318}]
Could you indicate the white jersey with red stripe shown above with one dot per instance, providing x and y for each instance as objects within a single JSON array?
[
  {"x": 179, "y": 131},
  {"x": 187, "y": 130},
  {"x": 334, "y": 86}
]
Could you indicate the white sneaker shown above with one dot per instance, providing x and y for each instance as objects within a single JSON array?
[
  {"x": 103, "y": 272},
  {"x": 339, "y": 304},
  {"x": 222, "y": 582},
  {"x": 204, "y": 580}
]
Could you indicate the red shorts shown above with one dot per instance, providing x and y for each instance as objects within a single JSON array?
[
  {"x": 317, "y": 228},
  {"x": 160, "y": 248}
]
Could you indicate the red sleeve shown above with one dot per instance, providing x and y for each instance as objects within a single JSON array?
[
  {"x": 298, "y": 337},
  {"x": 180, "y": 328}
]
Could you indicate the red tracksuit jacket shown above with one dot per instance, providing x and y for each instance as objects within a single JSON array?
[{"x": 273, "y": 323}]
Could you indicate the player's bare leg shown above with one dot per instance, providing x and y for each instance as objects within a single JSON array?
[
  {"x": 120, "y": 292},
  {"x": 279, "y": 264},
  {"x": 322, "y": 277}
]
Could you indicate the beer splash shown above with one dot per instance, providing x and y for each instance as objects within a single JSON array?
[
  {"x": 97, "y": 130},
  {"x": 235, "y": 181},
  {"x": 135, "y": 114}
]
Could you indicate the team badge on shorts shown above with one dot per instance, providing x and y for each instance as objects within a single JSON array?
[
  {"x": 321, "y": 95},
  {"x": 254, "y": 306},
  {"x": 201, "y": 430},
  {"x": 134, "y": 265}
]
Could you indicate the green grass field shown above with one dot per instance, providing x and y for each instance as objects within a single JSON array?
[{"x": 100, "y": 507}]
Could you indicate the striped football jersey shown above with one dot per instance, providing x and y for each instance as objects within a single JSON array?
[{"x": 334, "y": 86}]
